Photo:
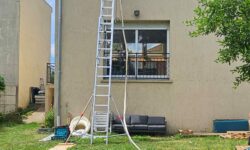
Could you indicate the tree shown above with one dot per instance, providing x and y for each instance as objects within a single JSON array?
[
  {"x": 229, "y": 20},
  {"x": 2, "y": 84}
]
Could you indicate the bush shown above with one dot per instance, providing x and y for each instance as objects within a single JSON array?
[
  {"x": 11, "y": 118},
  {"x": 49, "y": 119},
  {"x": 2, "y": 84},
  {"x": 16, "y": 117},
  {"x": 27, "y": 111}
]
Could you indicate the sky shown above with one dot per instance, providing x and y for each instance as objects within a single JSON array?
[{"x": 52, "y": 4}]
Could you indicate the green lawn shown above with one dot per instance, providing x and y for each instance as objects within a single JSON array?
[{"x": 24, "y": 137}]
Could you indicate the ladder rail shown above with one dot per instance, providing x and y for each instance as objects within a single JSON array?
[
  {"x": 110, "y": 64},
  {"x": 101, "y": 118},
  {"x": 95, "y": 80}
]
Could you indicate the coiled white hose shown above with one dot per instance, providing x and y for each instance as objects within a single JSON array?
[{"x": 126, "y": 82}]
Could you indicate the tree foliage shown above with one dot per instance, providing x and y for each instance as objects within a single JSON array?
[
  {"x": 2, "y": 84},
  {"x": 229, "y": 20}
]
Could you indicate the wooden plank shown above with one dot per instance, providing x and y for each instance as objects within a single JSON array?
[{"x": 63, "y": 146}]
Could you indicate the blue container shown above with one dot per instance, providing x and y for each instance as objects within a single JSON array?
[
  {"x": 61, "y": 133},
  {"x": 224, "y": 125}
]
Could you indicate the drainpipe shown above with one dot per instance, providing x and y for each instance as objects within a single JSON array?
[{"x": 58, "y": 63}]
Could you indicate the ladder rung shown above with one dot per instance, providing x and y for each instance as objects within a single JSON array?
[
  {"x": 104, "y": 67},
  {"x": 108, "y": 0},
  {"x": 106, "y": 23},
  {"x": 102, "y": 85},
  {"x": 102, "y": 121},
  {"x": 106, "y": 15},
  {"x": 100, "y": 126},
  {"x": 101, "y": 131},
  {"x": 101, "y": 113},
  {"x": 104, "y": 48},
  {"x": 104, "y": 40},
  {"x": 107, "y": 7},
  {"x": 105, "y": 31},
  {"x": 101, "y": 118},
  {"x": 103, "y": 76},
  {"x": 102, "y": 95},
  {"x": 101, "y": 105},
  {"x": 104, "y": 124},
  {"x": 103, "y": 57}
]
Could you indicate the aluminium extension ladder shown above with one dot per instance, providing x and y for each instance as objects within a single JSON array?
[{"x": 102, "y": 91}]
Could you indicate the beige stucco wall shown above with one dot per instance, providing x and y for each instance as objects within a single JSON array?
[
  {"x": 34, "y": 45},
  {"x": 9, "y": 37},
  {"x": 200, "y": 91}
]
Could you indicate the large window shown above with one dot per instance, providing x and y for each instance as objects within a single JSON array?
[{"x": 148, "y": 54}]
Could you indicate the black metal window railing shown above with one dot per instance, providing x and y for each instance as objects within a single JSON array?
[
  {"x": 50, "y": 73},
  {"x": 140, "y": 66}
]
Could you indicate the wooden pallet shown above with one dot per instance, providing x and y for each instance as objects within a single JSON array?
[{"x": 236, "y": 135}]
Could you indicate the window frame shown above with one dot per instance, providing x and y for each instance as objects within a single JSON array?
[{"x": 147, "y": 77}]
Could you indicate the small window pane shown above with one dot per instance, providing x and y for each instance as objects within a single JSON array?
[
  {"x": 118, "y": 36},
  {"x": 119, "y": 44},
  {"x": 152, "y": 41}
]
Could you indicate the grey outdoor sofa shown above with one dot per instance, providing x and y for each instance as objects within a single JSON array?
[{"x": 140, "y": 124}]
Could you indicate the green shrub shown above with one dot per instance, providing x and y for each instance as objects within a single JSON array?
[
  {"x": 15, "y": 117},
  {"x": 2, "y": 84},
  {"x": 49, "y": 118},
  {"x": 11, "y": 119},
  {"x": 27, "y": 111}
]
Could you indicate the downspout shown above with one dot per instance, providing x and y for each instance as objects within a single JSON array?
[{"x": 59, "y": 62}]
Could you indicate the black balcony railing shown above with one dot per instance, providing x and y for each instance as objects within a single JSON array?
[
  {"x": 140, "y": 66},
  {"x": 50, "y": 73}
]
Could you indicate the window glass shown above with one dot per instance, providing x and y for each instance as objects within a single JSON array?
[
  {"x": 152, "y": 41},
  {"x": 119, "y": 44},
  {"x": 147, "y": 54},
  {"x": 119, "y": 52}
]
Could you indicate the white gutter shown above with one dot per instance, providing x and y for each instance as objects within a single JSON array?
[{"x": 58, "y": 63}]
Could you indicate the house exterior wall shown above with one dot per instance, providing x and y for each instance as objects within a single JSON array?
[
  {"x": 34, "y": 46},
  {"x": 198, "y": 92},
  {"x": 9, "y": 32}
]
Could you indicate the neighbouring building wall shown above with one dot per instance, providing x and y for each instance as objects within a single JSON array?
[
  {"x": 35, "y": 19},
  {"x": 198, "y": 92},
  {"x": 9, "y": 36}
]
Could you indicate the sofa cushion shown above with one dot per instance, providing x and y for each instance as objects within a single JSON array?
[
  {"x": 157, "y": 128},
  {"x": 136, "y": 119},
  {"x": 117, "y": 120},
  {"x": 120, "y": 127},
  {"x": 140, "y": 127},
  {"x": 156, "y": 121}
]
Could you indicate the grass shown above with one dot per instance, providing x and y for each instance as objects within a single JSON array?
[
  {"x": 22, "y": 137},
  {"x": 25, "y": 137},
  {"x": 163, "y": 143}
]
